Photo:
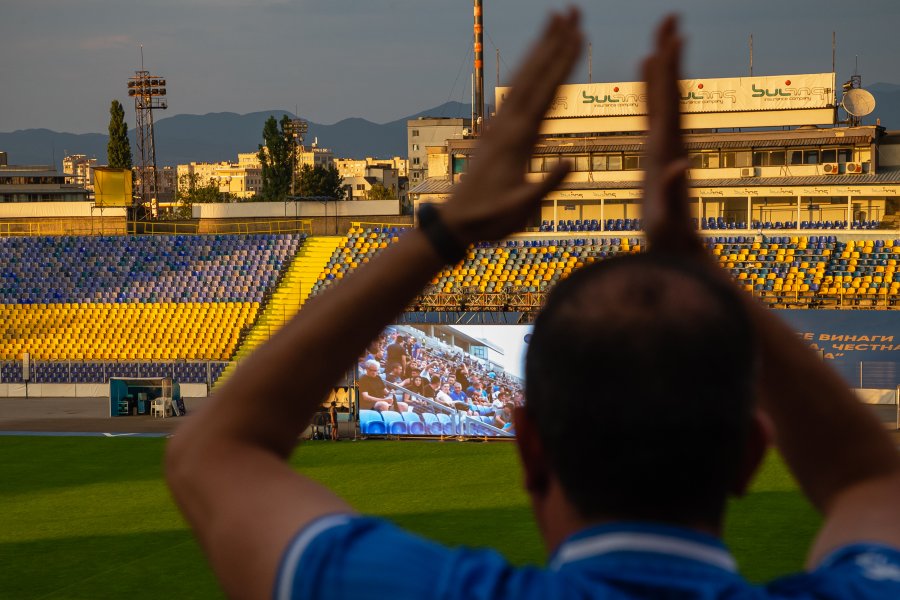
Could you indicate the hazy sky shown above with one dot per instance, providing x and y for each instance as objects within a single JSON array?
[{"x": 64, "y": 60}]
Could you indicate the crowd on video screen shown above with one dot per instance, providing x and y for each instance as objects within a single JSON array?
[{"x": 448, "y": 376}]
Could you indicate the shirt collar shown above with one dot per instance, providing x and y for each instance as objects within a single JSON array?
[{"x": 643, "y": 538}]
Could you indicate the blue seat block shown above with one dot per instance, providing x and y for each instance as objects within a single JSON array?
[{"x": 371, "y": 423}]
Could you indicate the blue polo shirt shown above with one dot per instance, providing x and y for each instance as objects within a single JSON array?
[{"x": 342, "y": 556}]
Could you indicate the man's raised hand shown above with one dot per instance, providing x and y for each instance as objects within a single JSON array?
[
  {"x": 667, "y": 220},
  {"x": 495, "y": 200}
]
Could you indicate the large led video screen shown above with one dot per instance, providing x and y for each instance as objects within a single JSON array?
[{"x": 442, "y": 380}]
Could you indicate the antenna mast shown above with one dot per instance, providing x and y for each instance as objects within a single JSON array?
[
  {"x": 478, "y": 87},
  {"x": 751, "y": 55},
  {"x": 833, "y": 49},
  {"x": 590, "y": 62}
]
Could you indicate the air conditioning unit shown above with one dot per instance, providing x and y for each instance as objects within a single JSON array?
[
  {"x": 748, "y": 172},
  {"x": 854, "y": 167},
  {"x": 831, "y": 168}
]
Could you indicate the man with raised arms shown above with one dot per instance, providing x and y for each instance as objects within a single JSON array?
[{"x": 676, "y": 378}]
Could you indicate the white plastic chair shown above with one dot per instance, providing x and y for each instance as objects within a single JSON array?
[{"x": 160, "y": 407}]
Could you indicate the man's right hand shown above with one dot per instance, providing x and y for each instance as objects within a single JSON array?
[
  {"x": 844, "y": 461},
  {"x": 667, "y": 219},
  {"x": 494, "y": 199}
]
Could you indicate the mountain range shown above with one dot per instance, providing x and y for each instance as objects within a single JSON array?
[{"x": 216, "y": 137}]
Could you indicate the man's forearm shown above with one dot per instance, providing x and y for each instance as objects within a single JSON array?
[
  {"x": 264, "y": 406},
  {"x": 830, "y": 440}
]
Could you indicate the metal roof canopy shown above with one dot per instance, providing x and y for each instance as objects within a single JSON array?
[{"x": 638, "y": 146}]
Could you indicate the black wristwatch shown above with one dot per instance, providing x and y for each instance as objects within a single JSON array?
[{"x": 442, "y": 239}]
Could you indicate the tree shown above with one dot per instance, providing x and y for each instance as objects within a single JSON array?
[
  {"x": 118, "y": 149},
  {"x": 191, "y": 190},
  {"x": 379, "y": 192},
  {"x": 276, "y": 159},
  {"x": 320, "y": 181}
]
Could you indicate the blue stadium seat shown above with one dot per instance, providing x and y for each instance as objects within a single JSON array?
[
  {"x": 371, "y": 423},
  {"x": 446, "y": 424},
  {"x": 432, "y": 424},
  {"x": 394, "y": 423},
  {"x": 413, "y": 423}
]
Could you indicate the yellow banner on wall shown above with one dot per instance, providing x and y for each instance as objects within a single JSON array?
[{"x": 112, "y": 187}]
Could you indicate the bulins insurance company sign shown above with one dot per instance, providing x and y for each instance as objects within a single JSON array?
[{"x": 732, "y": 94}]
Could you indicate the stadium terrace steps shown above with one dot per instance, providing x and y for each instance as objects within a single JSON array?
[{"x": 293, "y": 290}]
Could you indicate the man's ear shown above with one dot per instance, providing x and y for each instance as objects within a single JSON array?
[
  {"x": 759, "y": 439},
  {"x": 535, "y": 468}
]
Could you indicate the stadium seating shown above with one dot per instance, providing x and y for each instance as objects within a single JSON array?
[
  {"x": 814, "y": 267},
  {"x": 414, "y": 423},
  {"x": 446, "y": 424},
  {"x": 128, "y": 331},
  {"x": 89, "y": 307},
  {"x": 707, "y": 224},
  {"x": 357, "y": 247},
  {"x": 101, "y": 371},
  {"x": 805, "y": 268},
  {"x": 720, "y": 223},
  {"x": 394, "y": 423},
  {"x": 515, "y": 265},
  {"x": 153, "y": 269},
  {"x": 863, "y": 269},
  {"x": 432, "y": 424},
  {"x": 590, "y": 225},
  {"x": 371, "y": 423},
  {"x": 409, "y": 423}
]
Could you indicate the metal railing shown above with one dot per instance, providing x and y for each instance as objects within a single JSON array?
[
  {"x": 380, "y": 224},
  {"x": 217, "y": 228},
  {"x": 883, "y": 300},
  {"x": 108, "y": 368},
  {"x": 101, "y": 226},
  {"x": 517, "y": 301},
  {"x": 520, "y": 301},
  {"x": 61, "y": 227},
  {"x": 465, "y": 424}
]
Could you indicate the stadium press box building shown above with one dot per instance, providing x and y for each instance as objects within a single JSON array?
[{"x": 765, "y": 152}]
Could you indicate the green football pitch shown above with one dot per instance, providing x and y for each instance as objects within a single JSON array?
[{"x": 92, "y": 518}]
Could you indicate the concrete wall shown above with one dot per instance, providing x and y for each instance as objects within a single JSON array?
[
  {"x": 82, "y": 390},
  {"x": 59, "y": 218},
  {"x": 299, "y": 210},
  {"x": 331, "y": 218},
  {"x": 33, "y": 210}
]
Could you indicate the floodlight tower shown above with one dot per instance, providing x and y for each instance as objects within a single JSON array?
[
  {"x": 148, "y": 92},
  {"x": 295, "y": 129}
]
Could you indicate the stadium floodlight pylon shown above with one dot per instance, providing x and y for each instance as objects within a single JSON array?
[{"x": 149, "y": 93}]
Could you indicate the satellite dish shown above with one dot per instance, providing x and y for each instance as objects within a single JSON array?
[{"x": 858, "y": 102}]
